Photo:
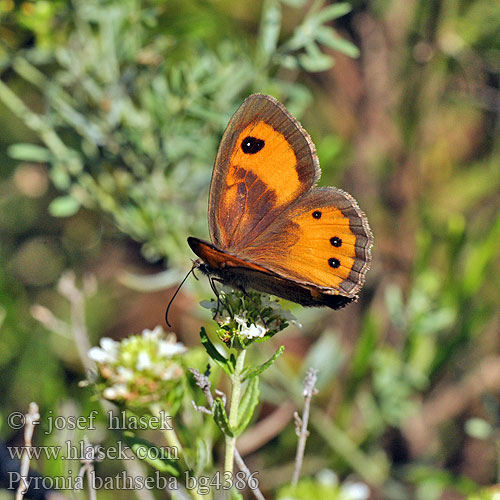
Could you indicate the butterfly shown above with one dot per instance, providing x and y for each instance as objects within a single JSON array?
[{"x": 271, "y": 228}]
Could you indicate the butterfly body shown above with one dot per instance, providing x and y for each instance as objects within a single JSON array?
[{"x": 272, "y": 230}]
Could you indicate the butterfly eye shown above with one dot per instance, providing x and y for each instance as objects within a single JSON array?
[
  {"x": 334, "y": 262},
  {"x": 316, "y": 214},
  {"x": 252, "y": 145},
  {"x": 336, "y": 241}
]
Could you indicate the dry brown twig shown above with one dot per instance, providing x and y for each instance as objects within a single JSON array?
[
  {"x": 88, "y": 467},
  {"x": 32, "y": 418},
  {"x": 301, "y": 423}
]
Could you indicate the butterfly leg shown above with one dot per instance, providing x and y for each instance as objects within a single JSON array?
[{"x": 212, "y": 280}]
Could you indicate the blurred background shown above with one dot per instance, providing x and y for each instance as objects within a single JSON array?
[{"x": 110, "y": 117}]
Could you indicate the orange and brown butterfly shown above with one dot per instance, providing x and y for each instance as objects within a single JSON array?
[{"x": 272, "y": 230}]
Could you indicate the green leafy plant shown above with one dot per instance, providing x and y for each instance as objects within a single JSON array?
[{"x": 133, "y": 116}]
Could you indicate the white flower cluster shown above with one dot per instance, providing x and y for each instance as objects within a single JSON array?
[
  {"x": 255, "y": 330},
  {"x": 252, "y": 315},
  {"x": 137, "y": 365}
]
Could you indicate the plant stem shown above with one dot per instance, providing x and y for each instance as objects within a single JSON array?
[
  {"x": 233, "y": 411},
  {"x": 173, "y": 441},
  {"x": 309, "y": 391},
  {"x": 169, "y": 433}
]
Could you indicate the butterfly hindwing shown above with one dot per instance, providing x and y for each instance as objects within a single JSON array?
[
  {"x": 266, "y": 160},
  {"x": 322, "y": 240},
  {"x": 242, "y": 274}
]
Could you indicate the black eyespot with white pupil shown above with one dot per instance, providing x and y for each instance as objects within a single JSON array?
[
  {"x": 251, "y": 145},
  {"x": 336, "y": 241},
  {"x": 333, "y": 262},
  {"x": 316, "y": 214}
]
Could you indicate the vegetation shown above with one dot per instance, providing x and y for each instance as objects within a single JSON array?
[{"x": 111, "y": 117}]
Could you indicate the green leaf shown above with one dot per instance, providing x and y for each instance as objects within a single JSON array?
[
  {"x": 314, "y": 60},
  {"x": 203, "y": 454},
  {"x": 29, "y": 152},
  {"x": 332, "y": 12},
  {"x": 253, "y": 372},
  {"x": 294, "y": 3},
  {"x": 248, "y": 403},
  {"x": 64, "y": 206},
  {"x": 220, "y": 417},
  {"x": 144, "y": 450},
  {"x": 328, "y": 37},
  {"x": 270, "y": 28},
  {"x": 212, "y": 351}
]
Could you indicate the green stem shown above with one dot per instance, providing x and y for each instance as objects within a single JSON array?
[
  {"x": 233, "y": 411},
  {"x": 173, "y": 441},
  {"x": 169, "y": 434}
]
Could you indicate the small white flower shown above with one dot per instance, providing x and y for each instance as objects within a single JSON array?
[
  {"x": 355, "y": 491},
  {"x": 109, "y": 345},
  {"x": 241, "y": 320},
  {"x": 327, "y": 477},
  {"x": 253, "y": 331},
  {"x": 116, "y": 391},
  {"x": 143, "y": 362},
  {"x": 170, "y": 349},
  {"x": 99, "y": 355},
  {"x": 124, "y": 374},
  {"x": 153, "y": 334}
]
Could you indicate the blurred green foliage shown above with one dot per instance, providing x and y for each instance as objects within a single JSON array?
[
  {"x": 122, "y": 105},
  {"x": 137, "y": 102}
]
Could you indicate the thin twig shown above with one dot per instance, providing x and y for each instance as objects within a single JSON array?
[
  {"x": 50, "y": 321},
  {"x": 76, "y": 297},
  {"x": 32, "y": 418},
  {"x": 308, "y": 392},
  {"x": 88, "y": 466},
  {"x": 204, "y": 384}
]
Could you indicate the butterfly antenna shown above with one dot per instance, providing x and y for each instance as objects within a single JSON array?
[{"x": 176, "y": 292}]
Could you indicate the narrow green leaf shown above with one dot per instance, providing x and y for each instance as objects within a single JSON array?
[
  {"x": 218, "y": 358},
  {"x": 202, "y": 455},
  {"x": 289, "y": 62},
  {"x": 314, "y": 60},
  {"x": 220, "y": 417},
  {"x": 152, "y": 454},
  {"x": 248, "y": 404},
  {"x": 64, "y": 206},
  {"x": 332, "y": 12},
  {"x": 29, "y": 152},
  {"x": 253, "y": 372},
  {"x": 270, "y": 27},
  {"x": 294, "y": 3},
  {"x": 328, "y": 37}
]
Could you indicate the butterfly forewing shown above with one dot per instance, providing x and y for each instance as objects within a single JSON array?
[{"x": 266, "y": 161}]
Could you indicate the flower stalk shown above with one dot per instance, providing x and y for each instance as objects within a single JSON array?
[{"x": 233, "y": 410}]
